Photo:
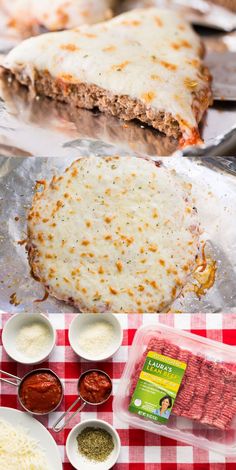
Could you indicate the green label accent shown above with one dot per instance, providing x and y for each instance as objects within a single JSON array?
[{"x": 157, "y": 387}]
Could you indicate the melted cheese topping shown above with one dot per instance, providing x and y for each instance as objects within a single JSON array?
[
  {"x": 58, "y": 14},
  {"x": 150, "y": 55},
  {"x": 114, "y": 234}
]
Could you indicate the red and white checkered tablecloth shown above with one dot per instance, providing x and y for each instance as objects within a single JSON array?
[{"x": 140, "y": 450}]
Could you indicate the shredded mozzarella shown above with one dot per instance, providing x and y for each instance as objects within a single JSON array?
[{"x": 19, "y": 451}]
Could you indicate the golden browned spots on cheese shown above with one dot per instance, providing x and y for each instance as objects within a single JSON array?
[
  {"x": 120, "y": 67},
  {"x": 173, "y": 291},
  {"x": 194, "y": 62},
  {"x": 158, "y": 21},
  {"x": 162, "y": 262},
  {"x": 148, "y": 96},
  {"x": 119, "y": 266},
  {"x": 141, "y": 288},
  {"x": 40, "y": 237},
  {"x": 63, "y": 242},
  {"x": 45, "y": 221},
  {"x": 109, "y": 49},
  {"x": 155, "y": 77},
  {"x": 100, "y": 270},
  {"x": 84, "y": 290},
  {"x": 185, "y": 267},
  {"x": 74, "y": 172},
  {"x": 66, "y": 195},
  {"x": 89, "y": 35},
  {"x": 128, "y": 240},
  {"x": 141, "y": 250},
  {"x": 113, "y": 291},
  {"x": 108, "y": 220},
  {"x": 152, "y": 248},
  {"x": 85, "y": 242},
  {"x": 66, "y": 280},
  {"x": 72, "y": 250},
  {"x": 151, "y": 309},
  {"x": 191, "y": 84},
  {"x": 67, "y": 77},
  {"x": 69, "y": 47},
  {"x": 130, "y": 292},
  {"x": 188, "y": 210},
  {"x": 88, "y": 223},
  {"x": 168, "y": 65},
  {"x": 108, "y": 191},
  {"x": 153, "y": 284},
  {"x": 182, "y": 43},
  {"x": 155, "y": 214},
  {"x": 107, "y": 237},
  {"x": 131, "y": 22}
]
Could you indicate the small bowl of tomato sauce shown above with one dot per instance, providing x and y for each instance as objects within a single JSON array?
[
  {"x": 94, "y": 388},
  {"x": 40, "y": 391}
]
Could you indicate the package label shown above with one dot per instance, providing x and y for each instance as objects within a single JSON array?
[{"x": 157, "y": 387}]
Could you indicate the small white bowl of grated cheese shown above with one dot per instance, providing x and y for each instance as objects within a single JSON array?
[
  {"x": 28, "y": 338},
  {"x": 95, "y": 337}
]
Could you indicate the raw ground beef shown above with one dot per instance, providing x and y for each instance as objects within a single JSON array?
[{"x": 208, "y": 390}]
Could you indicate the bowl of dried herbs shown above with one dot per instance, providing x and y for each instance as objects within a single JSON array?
[{"x": 93, "y": 444}]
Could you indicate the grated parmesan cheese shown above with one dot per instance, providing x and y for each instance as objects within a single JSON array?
[
  {"x": 97, "y": 337},
  {"x": 19, "y": 451},
  {"x": 33, "y": 339}
]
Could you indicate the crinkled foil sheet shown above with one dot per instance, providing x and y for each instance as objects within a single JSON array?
[
  {"x": 33, "y": 126},
  {"x": 214, "y": 190}
]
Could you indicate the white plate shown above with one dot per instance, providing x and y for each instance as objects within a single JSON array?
[{"x": 37, "y": 431}]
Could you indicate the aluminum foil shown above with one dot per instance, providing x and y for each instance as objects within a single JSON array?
[
  {"x": 214, "y": 190},
  {"x": 199, "y": 12},
  {"x": 33, "y": 126}
]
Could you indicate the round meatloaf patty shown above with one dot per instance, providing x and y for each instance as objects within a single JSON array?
[{"x": 118, "y": 234}]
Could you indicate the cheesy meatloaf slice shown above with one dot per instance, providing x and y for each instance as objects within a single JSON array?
[
  {"x": 144, "y": 64},
  {"x": 27, "y": 16},
  {"x": 114, "y": 234}
]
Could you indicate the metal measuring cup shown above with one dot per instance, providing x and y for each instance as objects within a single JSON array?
[
  {"x": 80, "y": 400},
  {"x": 19, "y": 382}
]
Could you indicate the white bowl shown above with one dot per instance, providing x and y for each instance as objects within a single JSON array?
[
  {"x": 82, "y": 322},
  {"x": 12, "y": 327},
  {"x": 82, "y": 463}
]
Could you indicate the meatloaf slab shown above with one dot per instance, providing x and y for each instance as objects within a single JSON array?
[
  {"x": 208, "y": 390},
  {"x": 144, "y": 64},
  {"x": 28, "y": 16},
  {"x": 114, "y": 234}
]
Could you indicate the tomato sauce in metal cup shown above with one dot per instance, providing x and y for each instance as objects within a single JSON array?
[
  {"x": 95, "y": 387},
  {"x": 40, "y": 392}
]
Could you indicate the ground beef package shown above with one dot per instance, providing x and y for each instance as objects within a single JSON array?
[{"x": 182, "y": 386}]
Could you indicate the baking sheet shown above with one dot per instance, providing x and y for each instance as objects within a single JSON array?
[
  {"x": 215, "y": 194},
  {"x": 37, "y": 126}
]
